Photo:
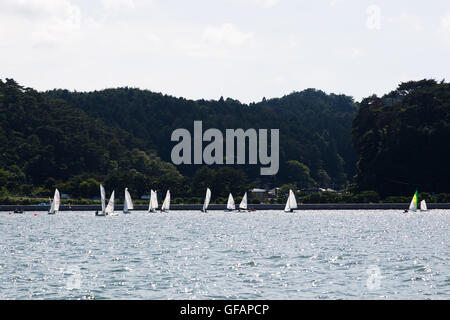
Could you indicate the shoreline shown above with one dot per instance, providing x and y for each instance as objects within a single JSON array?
[{"x": 222, "y": 207}]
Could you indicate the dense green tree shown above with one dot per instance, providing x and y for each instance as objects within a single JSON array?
[
  {"x": 314, "y": 127},
  {"x": 299, "y": 174},
  {"x": 89, "y": 188},
  {"x": 402, "y": 139},
  {"x": 46, "y": 143},
  {"x": 121, "y": 138}
]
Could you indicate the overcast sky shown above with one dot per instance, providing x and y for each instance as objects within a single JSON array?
[{"x": 243, "y": 49}]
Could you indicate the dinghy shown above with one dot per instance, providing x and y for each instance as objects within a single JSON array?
[
  {"x": 243, "y": 204},
  {"x": 109, "y": 211},
  {"x": 413, "y": 205},
  {"x": 207, "y": 200},
  {"x": 166, "y": 204},
  {"x": 103, "y": 200},
  {"x": 54, "y": 207},
  {"x": 423, "y": 206},
  {"x": 291, "y": 202},
  {"x": 230, "y": 204},
  {"x": 153, "y": 203},
  {"x": 127, "y": 203},
  {"x": 18, "y": 211}
]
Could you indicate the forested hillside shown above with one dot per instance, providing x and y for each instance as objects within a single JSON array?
[
  {"x": 403, "y": 140},
  {"x": 315, "y": 137},
  {"x": 121, "y": 137},
  {"x": 46, "y": 143}
]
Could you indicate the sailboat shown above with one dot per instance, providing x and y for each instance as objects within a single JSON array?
[
  {"x": 153, "y": 203},
  {"x": 54, "y": 207},
  {"x": 166, "y": 204},
  {"x": 423, "y": 206},
  {"x": 207, "y": 200},
  {"x": 291, "y": 202},
  {"x": 109, "y": 211},
  {"x": 127, "y": 203},
  {"x": 243, "y": 204},
  {"x": 103, "y": 200},
  {"x": 413, "y": 205},
  {"x": 18, "y": 211},
  {"x": 230, "y": 204}
]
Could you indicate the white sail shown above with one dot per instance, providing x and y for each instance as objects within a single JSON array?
[
  {"x": 56, "y": 201},
  {"x": 412, "y": 205},
  {"x": 110, "y": 207},
  {"x": 166, "y": 204},
  {"x": 287, "y": 208},
  {"x": 153, "y": 203},
  {"x": 127, "y": 204},
  {"x": 207, "y": 199},
  {"x": 230, "y": 203},
  {"x": 103, "y": 198},
  {"x": 291, "y": 202},
  {"x": 52, "y": 207},
  {"x": 423, "y": 206},
  {"x": 243, "y": 204}
]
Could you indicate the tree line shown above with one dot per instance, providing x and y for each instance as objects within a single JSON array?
[
  {"x": 74, "y": 141},
  {"x": 402, "y": 140}
]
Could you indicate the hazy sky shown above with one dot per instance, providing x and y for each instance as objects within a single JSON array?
[{"x": 243, "y": 49}]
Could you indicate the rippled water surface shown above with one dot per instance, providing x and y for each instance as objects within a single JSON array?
[{"x": 190, "y": 255}]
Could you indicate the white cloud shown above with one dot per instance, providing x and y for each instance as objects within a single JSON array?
[
  {"x": 408, "y": 20},
  {"x": 262, "y": 3},
  {"x": 225, "y": 35},
  {"x": 349, "y": 53},
  {"x": 333, "y": 3},
  {"x": 444, "y": 26},
  {"x": 63, "y": 10},
  {"x": 373, "y": 20},
  {"x": 118, "y": 4},
  {"x": 41, "y": 22},
  {"x": 266, "y": 3},
  {"x": 444, "y": 29},
  {"x": 183, "y": 47},
  {"x": 219, "y": 41},
  {"x": 293, "y": 40}
]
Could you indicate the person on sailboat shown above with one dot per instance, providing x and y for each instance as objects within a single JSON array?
[{"x": 18, "y": 210}]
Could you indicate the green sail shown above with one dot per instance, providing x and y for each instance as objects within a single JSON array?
[{"x": 414, "y": 202}]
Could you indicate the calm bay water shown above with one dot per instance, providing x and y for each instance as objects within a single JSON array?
[{"x": 190, "y": 255}]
